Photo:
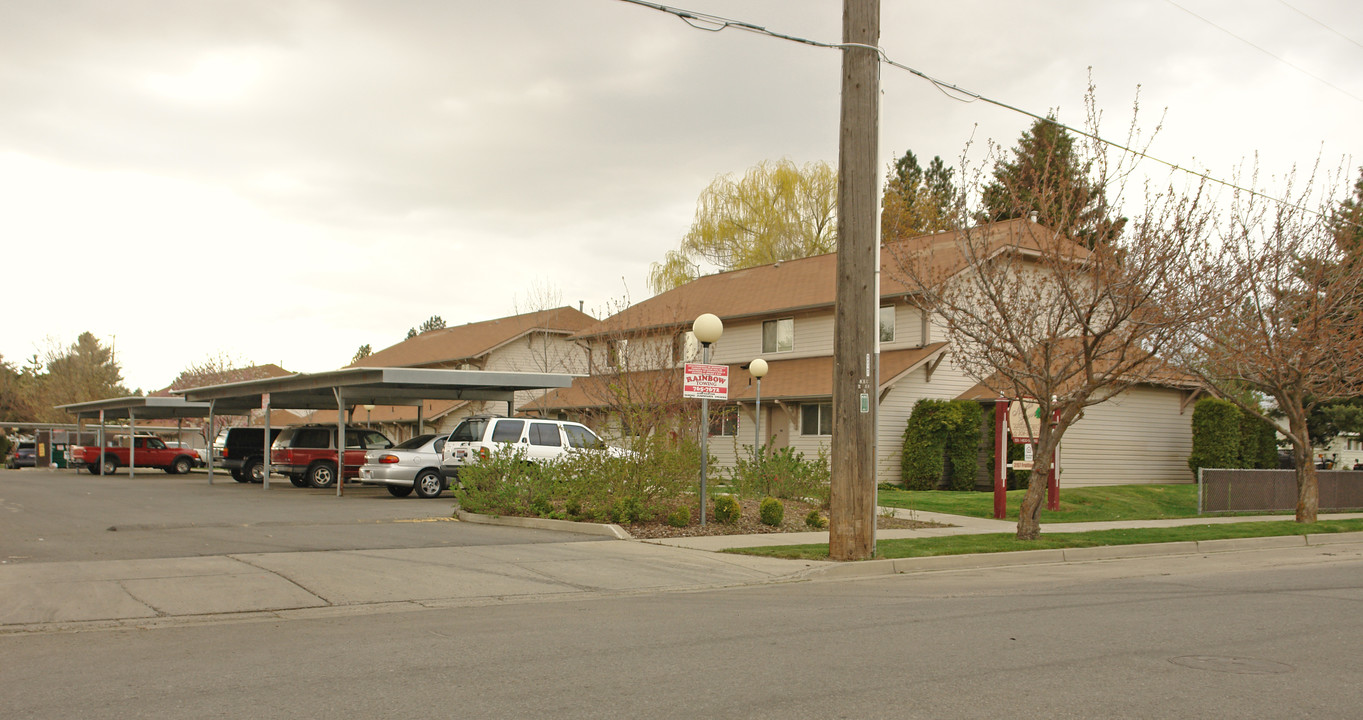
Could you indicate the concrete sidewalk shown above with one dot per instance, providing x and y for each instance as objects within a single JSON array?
[{"x": 141, "y": 593}]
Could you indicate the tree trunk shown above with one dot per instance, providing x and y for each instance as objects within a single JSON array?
[
  {"x": 1308, "y": 491},
  {"x": 1029, "y": 515}
]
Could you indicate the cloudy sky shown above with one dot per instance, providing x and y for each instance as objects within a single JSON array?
[{"x": 286, "y": 180}]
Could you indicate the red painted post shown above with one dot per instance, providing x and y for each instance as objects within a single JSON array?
[
  {"x": 1053, "y": 478},
  {"x": 1000, "y": 458}
]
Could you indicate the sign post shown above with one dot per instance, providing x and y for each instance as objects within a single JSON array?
[{"x": 705, "y": 381}]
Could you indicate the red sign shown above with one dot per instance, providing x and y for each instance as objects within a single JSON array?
[{"x": 710, "y": 382}]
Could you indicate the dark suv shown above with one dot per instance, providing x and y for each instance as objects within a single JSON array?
[
  {"x": 242, "y": 451},
  {"x": 25, "y": 455},
  {"x": 307, "y": 453}
]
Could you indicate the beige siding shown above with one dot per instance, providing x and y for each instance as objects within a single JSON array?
[
  {"x": 742, "y": 341},
  {"x": 1137, "y": 437},
  {"x": 947, "y": 382}
]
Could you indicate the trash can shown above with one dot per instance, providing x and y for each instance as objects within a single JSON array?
[{"x": 59, "y": 456}]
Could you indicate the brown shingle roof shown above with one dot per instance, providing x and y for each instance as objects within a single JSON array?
[
  {"x": 254, "y": 372},
  {"x": 466, "y": 342},
  {"x": 807, "y": 282}
]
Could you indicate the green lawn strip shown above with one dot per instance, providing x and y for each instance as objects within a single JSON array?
[
  {"x": 1086, "y": 504},
  {"x": 1006, "y": 542}
]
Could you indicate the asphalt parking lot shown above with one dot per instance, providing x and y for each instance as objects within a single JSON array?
[{"x": 65, "y": 515}]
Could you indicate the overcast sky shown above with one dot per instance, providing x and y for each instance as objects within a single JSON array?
[{"x": 285, "y": 180}]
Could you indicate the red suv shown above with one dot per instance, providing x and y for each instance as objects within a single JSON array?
[{"x": 307, "y": 453}]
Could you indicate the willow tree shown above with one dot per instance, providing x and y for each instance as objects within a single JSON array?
[{"x": 776, "y": 211}]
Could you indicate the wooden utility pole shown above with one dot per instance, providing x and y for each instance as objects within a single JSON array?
[{"x": 852, "y": 526}]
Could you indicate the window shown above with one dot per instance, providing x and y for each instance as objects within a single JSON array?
[
  {"x": 778, "y": 335},
  {"x": 724, "y": 421},
  {"x": 887, "y": 324},
  {"x": 375, "y": 440},
  {"x": 313, "y": 438},
  {"x": 507, "y": 431},
  {"x": 545, "y": 434},
  {"x": 469, "y": 430},
  {"x": 615, "y": 353},
  {"x": 816, "y": 419},
  {"x": 581, "y": 437}
]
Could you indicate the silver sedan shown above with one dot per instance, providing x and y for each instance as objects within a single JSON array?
[{"x": 412, "y": 465}]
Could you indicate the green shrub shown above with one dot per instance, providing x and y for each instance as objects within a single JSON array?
[
  {"x": 727, "y": 509},
  {"x": 628, "y": 510},
  {"x": 772, "y": 512},
  {"x": 781, "y": 473},
  {"x": 503, "y": 484},
  {"x": 941, "y": 445},
  {"x": 815, "y": 520},
  {"x": 680, "y": 517},
  {"x": 1258, "y": 443},
  {"x": 1216, "y": 435}
]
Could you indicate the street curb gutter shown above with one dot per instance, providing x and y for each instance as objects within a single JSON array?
[
  {"x": 872, "y": 568},
  {"x": 603, "y": 529}
]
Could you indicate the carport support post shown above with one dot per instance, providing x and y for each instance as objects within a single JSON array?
[
  {"x": 132, "y": 444},
  {"x": 340, "y": 440},
  {"x": 99, "y": 457},
  {"x": 265, "y": 467},
  {"x": 209, "y": 439}
]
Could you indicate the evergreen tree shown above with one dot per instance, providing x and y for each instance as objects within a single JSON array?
[
  {"x": 917, "y": 201},
  {"x": 1047, "y": 176},
  {"x": 364, "y": 352}
]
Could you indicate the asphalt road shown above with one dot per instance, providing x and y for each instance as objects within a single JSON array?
[
  {"x": 64, "y": 515},
  {"x": 1271, "y": 634}
]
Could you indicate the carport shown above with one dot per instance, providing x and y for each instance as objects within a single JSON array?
[
  {"x": 135, "y": 408},
  {"x": 343, "y": 389}
]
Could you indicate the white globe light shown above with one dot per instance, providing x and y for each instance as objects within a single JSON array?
[
  {"x": 707, "y": 328},
  {"x": 758, "y": 368}
]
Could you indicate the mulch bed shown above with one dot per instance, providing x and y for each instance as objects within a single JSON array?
[{"x": 751, "y": 524}]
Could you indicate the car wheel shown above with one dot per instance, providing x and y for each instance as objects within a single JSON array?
[
  {"x": 108, "y": 465},
  {"x": 399, "y": 490},
  {"x": 254, "y": 472},
  {"x": 181, "y": 466},
  {"x": 429, "y": 485},
  {"x": 92, "y": 469},
  {"x": 238, "y": 475},
  {"x": 298, "y": 480},
  {"x": 321, "y": 475}
]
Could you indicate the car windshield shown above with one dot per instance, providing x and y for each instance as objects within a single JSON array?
[
  {"x": 469, "y": 430},
  {"x": 415, "y": 443}
]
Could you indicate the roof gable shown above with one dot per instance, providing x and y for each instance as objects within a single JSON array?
[{"x": 473, "y": 340}]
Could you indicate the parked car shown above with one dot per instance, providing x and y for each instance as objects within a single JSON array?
[
  {"x": 407, "y": 466},
  {"x": 307, "y": 453},
  {"x": 541, "y": 440},
  {"x": 241, "y": 450},
  {"x": 148, "y": 450},
  {"x": 199, "y": 459},
  {"x": 25, "y": 454}
]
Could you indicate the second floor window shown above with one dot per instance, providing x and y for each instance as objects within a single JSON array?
[
  {"x": 778, "y": 335},
  {"x": 615, "y": 353},
  {"x": 887, "y": 324}
]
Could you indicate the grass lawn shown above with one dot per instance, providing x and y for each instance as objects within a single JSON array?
[
  {"x": 1006, "y": 542},
  {"x": 1087, "y": 504}
]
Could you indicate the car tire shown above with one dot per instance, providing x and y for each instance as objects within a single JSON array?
[
  {"x": 254, "y": 472},
  {"x": 399, "y": 490},
  {"x": 428, "y": 484},
  {"x": 238, "y": 475},
  {"x": 181, "y": 466},
  {"x": 92, "y": 469},
  {"x": 108, "y": 465},
  {"x": 298, "y": 480},
  {"x": 321, "y": 475}
]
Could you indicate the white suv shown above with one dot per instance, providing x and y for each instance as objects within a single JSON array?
[{"x": 541, "y": 440}]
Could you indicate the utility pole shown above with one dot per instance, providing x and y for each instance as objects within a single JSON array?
[{"x": 852, "y": 526}]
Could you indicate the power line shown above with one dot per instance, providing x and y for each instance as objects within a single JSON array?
[
  {"x": 1298, "y": 68},
  {"x": 1301, "y": 12},
  {"x": 716, "y": 23}
]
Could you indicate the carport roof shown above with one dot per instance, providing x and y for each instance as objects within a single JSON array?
[
  {"x": 144, "y": 408},
  {"x": 372, "y": 386}
]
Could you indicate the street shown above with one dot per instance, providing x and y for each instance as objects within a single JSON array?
[{"x": 1270, "y": 633}]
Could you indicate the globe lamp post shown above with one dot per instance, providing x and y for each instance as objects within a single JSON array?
[{"x": 707, "y": 328}]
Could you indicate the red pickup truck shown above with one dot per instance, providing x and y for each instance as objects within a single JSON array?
[{"x": 150, "y": 452}]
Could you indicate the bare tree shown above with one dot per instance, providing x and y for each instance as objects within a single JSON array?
[
  {"x": 1294, "y": 329},
  {"x": 1034, "y": 314}
]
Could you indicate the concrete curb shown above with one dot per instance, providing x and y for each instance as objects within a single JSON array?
[
  {"x": 603, "y": 529},
  {"x": 896, "y": 566}
]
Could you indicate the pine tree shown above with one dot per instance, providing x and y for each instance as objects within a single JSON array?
[
  {"x": 917, "y": 201},
  {"x": 1046, "y": 176}
]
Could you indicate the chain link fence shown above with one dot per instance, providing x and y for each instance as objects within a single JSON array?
[{"x": 1266, "y": 490}]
